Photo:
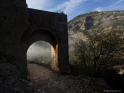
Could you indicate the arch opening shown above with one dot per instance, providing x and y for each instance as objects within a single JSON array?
[
  {"x": 39, "y": 52},
  {"x": 29, "y": 37},
  {"x": 46, "y": 36}
]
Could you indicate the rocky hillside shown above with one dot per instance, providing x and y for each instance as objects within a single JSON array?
[
  {"x": 97, "y": 21},
  {"x": 94, "y": 21}
]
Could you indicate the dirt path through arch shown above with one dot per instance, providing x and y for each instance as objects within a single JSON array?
[{"x": 45, "y": 81}]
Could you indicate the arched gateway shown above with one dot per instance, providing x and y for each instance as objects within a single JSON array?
[{"x": 50, "y": 27}]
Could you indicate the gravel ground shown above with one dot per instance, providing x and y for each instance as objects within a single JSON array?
[{"x": 45, "y": 81}]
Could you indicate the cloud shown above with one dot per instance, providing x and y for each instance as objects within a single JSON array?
[
  {"x": 98, "y": 9},
  {"x": 37, "y": 4},
  {"x": 67, "y": 6},
  {"x": 117, "y": 5}
]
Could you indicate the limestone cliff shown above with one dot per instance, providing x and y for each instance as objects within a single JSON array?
[{"x": 96, "y": 21}]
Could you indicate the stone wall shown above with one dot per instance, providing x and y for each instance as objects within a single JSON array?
[
  {"x": 20, "y": 27},
  {"x": 13, "y": 21},
  {"x": 52, "y": 28}
]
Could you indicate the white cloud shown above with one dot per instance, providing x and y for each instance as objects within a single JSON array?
[
  {"x": 98, "y": 9},
  {"x": 37, "y": 4},
  {"x": 67, "y": 6},
  {"x": 117, "y": 5}
]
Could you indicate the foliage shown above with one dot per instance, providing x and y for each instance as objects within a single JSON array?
[{"x": 99, "y": 48}]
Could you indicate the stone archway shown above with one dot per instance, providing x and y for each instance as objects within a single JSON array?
[
  {"x": 49, "y": 27},
  {"x": 19, "y": 24},
  {"x": 43, "y": 35}
]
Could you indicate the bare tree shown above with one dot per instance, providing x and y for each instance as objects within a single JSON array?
[{"x": 100, "y": 47}]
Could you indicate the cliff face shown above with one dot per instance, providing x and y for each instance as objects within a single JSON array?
[
  {"x": 96, "y": 21},
  {"x": 98, "y": 24}
]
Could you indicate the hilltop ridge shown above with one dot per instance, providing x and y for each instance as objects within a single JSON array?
[{"x": 106, "y": 20}]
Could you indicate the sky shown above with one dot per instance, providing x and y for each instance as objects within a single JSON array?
[{"x": 74, "y": 8}]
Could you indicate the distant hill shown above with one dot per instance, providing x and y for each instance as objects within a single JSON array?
[
  {"x": 97, "y": 20},
  {"x": 104, "y": 21}
]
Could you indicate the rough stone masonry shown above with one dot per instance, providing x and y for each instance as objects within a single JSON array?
[{"x": 21, "y": 26}]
